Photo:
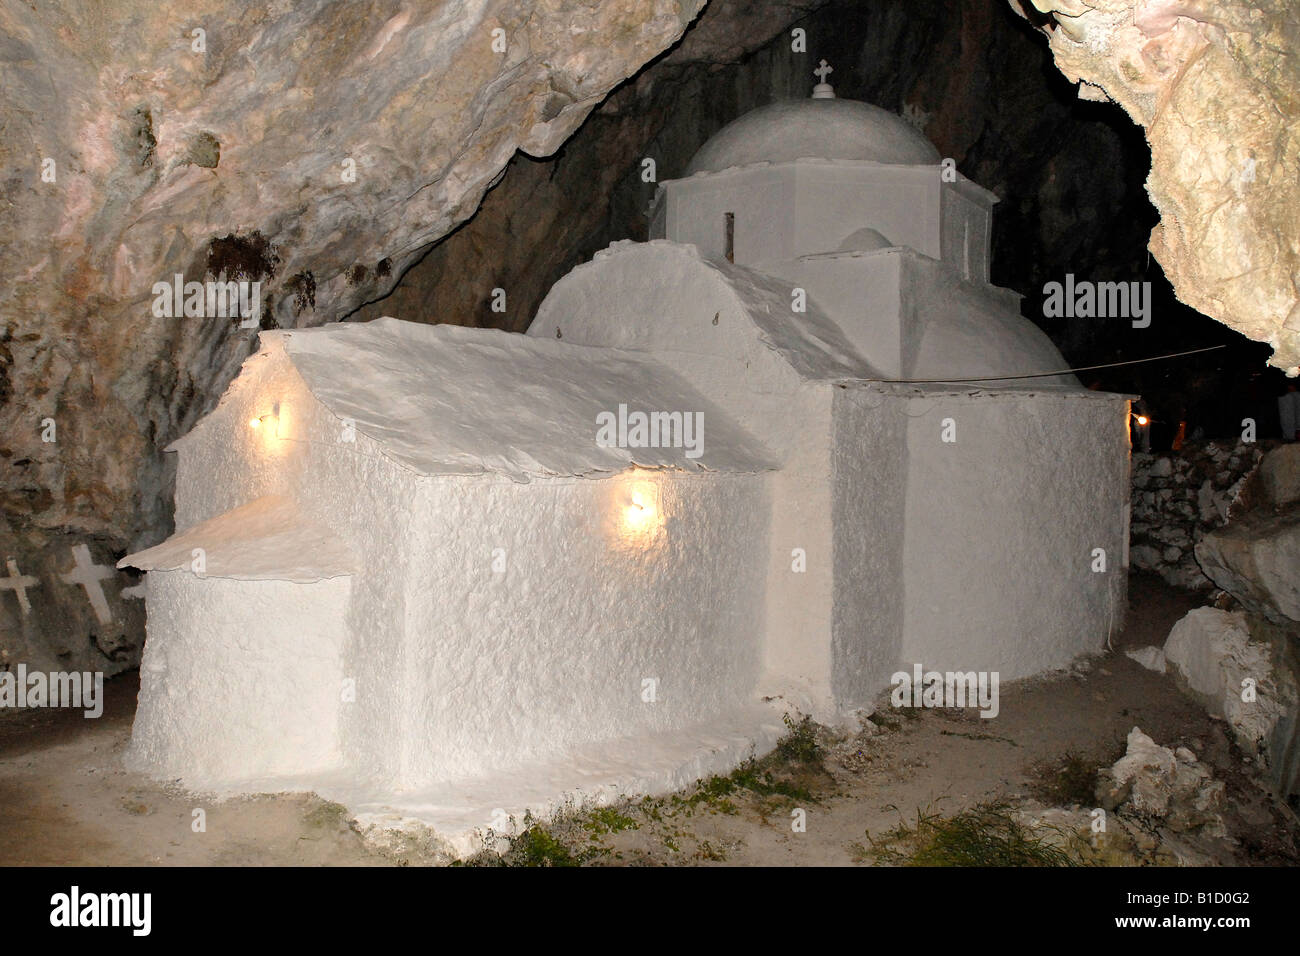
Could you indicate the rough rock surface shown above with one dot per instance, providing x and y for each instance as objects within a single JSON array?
[
  {"x": 1150, "y": 657},
  {"x": 316, "y": 147},
  {"x": 1256, "y": 558},
  {"x": 232, "y": 159},
  {"x": 1213, "y": 83},
  {"x": 1163, "y": 785},
  {"x": 1215, "y": 653},
  {"x": 1279, "y": 476},
  {"x": 967, "y": 74}
]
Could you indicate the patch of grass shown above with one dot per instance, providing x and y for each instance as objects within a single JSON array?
[
  {"x": 713, "y": 794},
  {"x": 764, "y": 782},
  {"x": 652, "y": 807},
  {"x": 574, "y": 838},
  {"x": 985, "y": 835},
  {"x": 536, "y": 846},
  {"x": 604, "y": 820},
  {"x": 557, "y": 843},
  {"x": 787, "y": 773},
  {"x": 799, "y": 746}
]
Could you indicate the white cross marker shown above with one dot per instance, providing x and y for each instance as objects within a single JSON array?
[
  {"x": 823, "y": 70},
  {"x": 19, "y": 583},
  {"x": 88, "y": 574}
]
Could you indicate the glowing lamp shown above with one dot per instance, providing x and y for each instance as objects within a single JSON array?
[
  {"x": 272, "y": 429},
  {"x": 636, "y": 517},
  {"x": 1142, "y": 419},
  {"x": 640, "y": 512}
]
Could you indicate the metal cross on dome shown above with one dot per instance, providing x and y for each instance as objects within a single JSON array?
[{"x": 823, "y": 90}]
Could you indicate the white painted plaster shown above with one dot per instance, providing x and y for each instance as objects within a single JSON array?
[
  {"x": 912, "y": 317},
  {"x": 807, "y": 207},
  {"x": 433, "y": 397},
  {"x": 240, "y": 680},
  {"x": 428, "y": 615},
  {"x": 826, "y": 129},
  {"x": 501, "y": 592},
  {"x": 1001, "y": 525},
  {"x": 869, "y": 527},
  {"x": 266, "y": 539}
]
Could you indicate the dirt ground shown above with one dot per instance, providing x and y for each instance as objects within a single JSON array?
[{"x": 65, "y": 799}]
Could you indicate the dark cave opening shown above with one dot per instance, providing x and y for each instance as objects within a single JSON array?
[{"x": 1070, "y": 173}]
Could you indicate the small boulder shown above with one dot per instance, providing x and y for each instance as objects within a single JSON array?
[
  {"x": 1171, "y": 788},
  {"x": 1150, "y": 657},
  {"x": 1279, "y": 475},
  {"x": 1245, "y": 681},
  {"x": 1257, "y": 559}
]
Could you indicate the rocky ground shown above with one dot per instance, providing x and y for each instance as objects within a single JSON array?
[{"x": 934, "y": 786}]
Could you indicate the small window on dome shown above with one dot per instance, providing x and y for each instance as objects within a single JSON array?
[{"x": 729, "y": 237}]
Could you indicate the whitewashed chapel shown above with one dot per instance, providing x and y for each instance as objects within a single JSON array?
[{"x": 435, "y": 572}]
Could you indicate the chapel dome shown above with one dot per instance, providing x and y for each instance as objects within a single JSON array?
[
  {"x": 865, "y": 239},
  {"x": 815, "y": 128}
]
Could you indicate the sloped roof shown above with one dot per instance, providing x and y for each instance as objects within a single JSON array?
[
  {"x": 810, "y": 342},
  {"x": 449, "y": 400},
  {"x": 266, "y": 539}
]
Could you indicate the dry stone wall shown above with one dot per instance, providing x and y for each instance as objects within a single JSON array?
[{"x": 1178, "y": 498}]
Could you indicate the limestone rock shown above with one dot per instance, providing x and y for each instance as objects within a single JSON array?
[
  {"x": 1213, "y": 84},
  {"x": 1156, "y": 783},
  {"x": 315, "y": 147},
  {"x": 1152, "y": 658},
  {"x": 246, "y": 149},
  {"x": 1257, "y": 559},
  {"x": 1279, "y": 475},
  {"x": 1213, "y": 651}
]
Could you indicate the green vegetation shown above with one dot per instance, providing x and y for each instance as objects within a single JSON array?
[
  {"x": 536, "y": 846},
  {"x": 787, "y": 774},
  {"x": 604, "y": 820},
  {"x": 800, "y": 745},
  {"x": 785, "y": 777},
  {"x": 985, "y": 835}
]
